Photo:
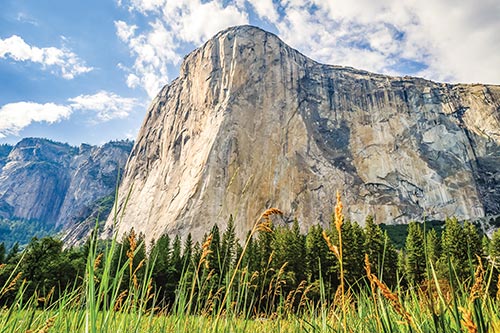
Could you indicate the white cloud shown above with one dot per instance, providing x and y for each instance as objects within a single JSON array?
[
  {"x": 173, "y": 25},
  {"x": 66, "y": 63},
  {"x": 200, "y": 21},
  {"x": 107, "y": 105},
  {"x": 453, "y": 41},
  {"x": 15, "y": 116},
  {"x": 102, "y": 106},
  {"x": 265, "y": 9},
  {"x": 440, "y": 40}
]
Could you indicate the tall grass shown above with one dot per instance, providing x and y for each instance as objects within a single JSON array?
[{"x": 99, "y": 304}]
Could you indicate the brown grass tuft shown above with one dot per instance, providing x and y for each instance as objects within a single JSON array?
[
  {"x": 205, "y": 251},
  {"x": 12, "y": 283},
  {"x": 477, "y": 288},
  {"x": 332, "y": 247},
  {"x": 97, "y": 260},
  {"x": 389, "y": 295},
  {"x": 339, "y": 217},
  {"x": 119, "y": 300},
  {"x": 48, "y": 324},
  {"x": 467, "y": 320},
  {"x": 269, "y": 212}
]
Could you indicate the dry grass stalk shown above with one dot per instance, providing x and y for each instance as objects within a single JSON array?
[
  {"x": 12, "y": 283},
  {"x": 290, "y": 300},
  {"x": 339, "y": 217},
  {"x": 119, "y": 300},
  {"x": 134, "y": 275},
  {"x": 331, "y": 247},
  {"x": 149, "y": 294},
  {"x": 477, "y": 288},
  {"x": 205, "y": 251},
  {"x": 264, "y": 226},
  {"x": 368, "y": 270},
  {"x": 392, "y": 298},
  {"x": 47, "y": 297},
  {"x": 304, "y": 298},
  {"x": 266, "y": 216},
  {"x": 97, "y": 260},
  {"x": 48, "y": 324},
  {"x": 467, "y": 320},
  {"x": 339, "y": 220},
  {"x": 269, "y": 212},
  {"x": 131, "y": 250}
]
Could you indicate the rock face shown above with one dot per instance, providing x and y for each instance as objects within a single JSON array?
[
  {"x": 251, "y": 123},
  {"x": 55, "y": 183}
]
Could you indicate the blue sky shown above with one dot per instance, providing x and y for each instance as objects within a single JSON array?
[{"x": 85, "y": 71}]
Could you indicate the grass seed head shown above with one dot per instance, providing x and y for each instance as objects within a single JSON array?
[
  {"x": 12, "y": 283},
  {"x": 477, "y": 288},
  {"x": 467, "y": 320},
  {"x": 339, "y": 217},
  {"x": 331, "y": 247}
]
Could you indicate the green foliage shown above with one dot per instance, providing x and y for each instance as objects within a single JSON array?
[
  {"x": 415, "y": 256},
  {"x": 284, "y": 274},
  {"x": 22, "y": 231}
]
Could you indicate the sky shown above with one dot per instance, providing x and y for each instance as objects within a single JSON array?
[{"x": 86, "y": 71}]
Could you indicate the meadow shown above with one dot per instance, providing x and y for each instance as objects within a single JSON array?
[{"x": 118, "y": 290}]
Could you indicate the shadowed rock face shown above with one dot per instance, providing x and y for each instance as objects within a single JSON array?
[
  {"x": 55, "y": 183},
  {"x": 251, "y": 123}
]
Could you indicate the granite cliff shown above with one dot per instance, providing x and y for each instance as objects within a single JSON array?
[
  {"x": 57, "y": 185},
  {"x": 251, "y": 123}
]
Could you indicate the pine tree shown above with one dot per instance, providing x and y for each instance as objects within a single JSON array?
[
  {"x": 228, "y": 250},
  {"x": 454, "y": 250},
  {"x": 187, "y": 252},
  {"x": 374, "y": 244},
  {"x": 474, "y": 243},
  {"x": 353, "y": 255},
  {"x": 495, "y": 247},
  {"x": 214, "y": 256},
  {"x": 433, "y": 247},
  {"x": 175, "y": 265},
  {"x": 2, "y": 253},
  {"x": 160, "y": 256},
  {"x": 415, "y": 255},
  {"x": 316, "y": 254}
]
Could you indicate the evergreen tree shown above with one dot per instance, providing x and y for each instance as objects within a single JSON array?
[
  {"x": 374, "y": 244},
  {"x": 297, "y": 252},
  {"x": 316, "y": 254},
  {"x": 432, "y": 247},
  {"x": 2, "y": 253},
  {"x": 176, "y": 263},
  {"x": 13, "y": 254},
  {"x": 495, "y": 247},
  {"x": 415, "y": 255},
  {"x": 160, "y": 255},
  {"x": 474, "y": 242},
  {"x": 353, "y": 239},
  {"x": 454, "y": 250},
  {"x": 46, "y": 266},
  {"x": 187, "y": 252},
  {"x": 228, "y": 250},
  {"x": 390, "y": 256},
  {"x": 214, "y": 256}
]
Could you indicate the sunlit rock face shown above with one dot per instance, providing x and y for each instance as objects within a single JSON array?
[
  {"x": 251, "y": 123},
  {"x": 56, "y": 184}
]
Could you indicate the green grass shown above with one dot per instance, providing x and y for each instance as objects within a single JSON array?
[{"x": 97, "y": 304}]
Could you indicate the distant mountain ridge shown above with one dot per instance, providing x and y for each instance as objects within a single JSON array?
[
  {"x": 251, "y": 123},
  {"x": 57, "y": 185}
]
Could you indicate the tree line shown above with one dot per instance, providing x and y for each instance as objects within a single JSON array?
[{"x": 274, "y": 263}]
